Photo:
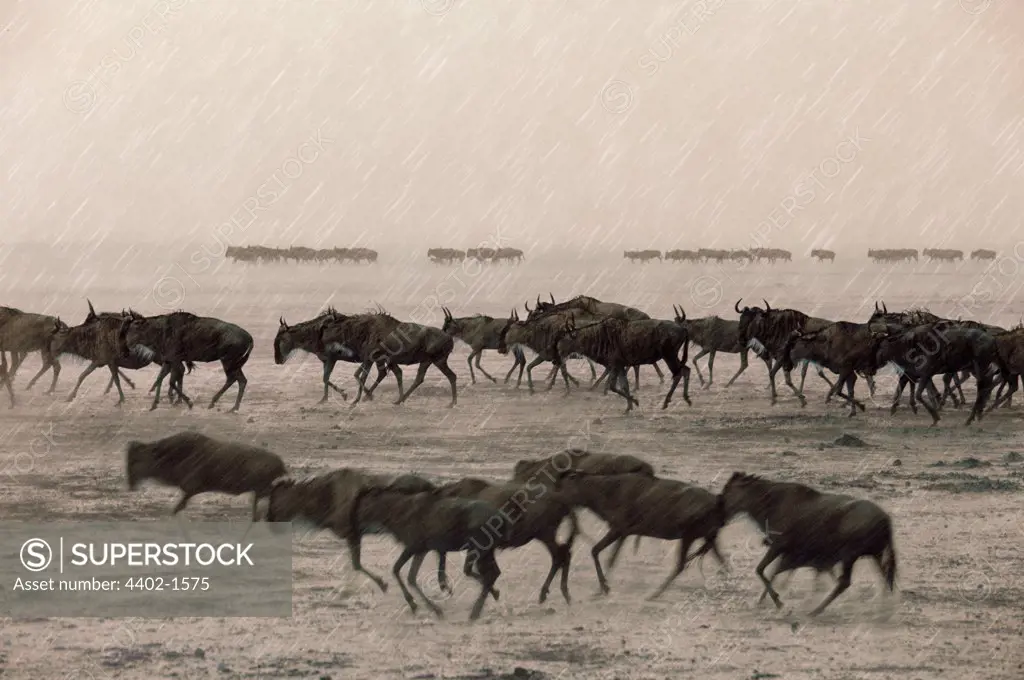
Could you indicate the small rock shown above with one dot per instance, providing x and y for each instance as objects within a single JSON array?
[
  {"x": 223, "y": 668},
  {"x": 1013, "y": 457},
  {"x": 897, "y": 462},
  {"x": 850, "y": 440},
  {"x": 199, "y": 653},
  {"x": 251, "y": 420},
  {"x": 596, "y": 421}
]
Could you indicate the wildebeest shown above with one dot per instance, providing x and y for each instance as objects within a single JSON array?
[
  {"x": 618, "y": 345},
  {"x": 943, "y": 254},
  {"x": 642, "y": 255},
  {"x": 634, "y": 504},
  {"x": 714, "y": 334},
  {"x": 446, "y": 255},
  {"x": 682, "y": 255},
  {"x": 425, "y": 522},
  {"x": 196, "y": 463},
  {"x": 770, "y": 329},
  {"x": 808, "y": 528},
  {"x": 843, "y": 347},
  {"x": 983, "y": 254},
  {"x": 480, "y": 332},
  {"x": 325, "y": 502},
  {"x": 305, "y": 336},
  {"x": 892, "y": 254},
  {"x": 508, "y": 255},
  {"x": 1010, "y": 345},
  {"x": 380, "y": 337},
  {"x": 585, "y": 305},
  {"x": 537, "y": 333},
  {"x": 526, "y": 512},
  {"x": 822, "y": 255},
  {"x": 96, "y": 340},
  {"x": 183, "y": 337},
  {"x": 942, "y": 348},
  {"x": 25, "y": 332}
]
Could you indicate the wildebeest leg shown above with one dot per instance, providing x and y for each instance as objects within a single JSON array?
[
  {"x": 900, "y": 386},
  {"x": 624, "y": 392},
  {"x": 769, "y": 557},
  {"x": 414, "y": 570},
  {"x": 182, "y": 503},
  {"x": 743, "y": 366},
  {"x": 123, "y": 377},
  {"x": 636, "y": 377},
  {"x": 5, "y": 376},
  {"x": 421, "y": 372},
  {"x": 164, "y": 370},
  {"x": 529, "y": 371},
  {"x": 48, "y": 363},
  {"x": 117, "y": 382},
  {"x": 1011, "y": 386},
  {"x": 701, "y": 353},
  {"x": 678, "y": 371},
  {"x": 615, "y": 552},
  {"x": 786, "y": 565},
  {"x": 481, "y": 368},
  {"x": 355, "y": 553},
  {"x": 520, "y": 362},
  {"x": 442, "y": 365},
  {"x": 595, "y": 552},
  {"x": 406, "y": 555},
  {"x": 328, "y": 366},
  {"x": 842, "y": 585},
  {"x": 559, "y": 556},
  {"x": 89, "y": 369},
  {"x": 603, "y": 378},
  {"x": 489, "y": 572},
  {"x": 44, "y": 369},
  {"x": 382, "y": 370},
  {"x": 919, "y": 393},
  {"x": 593, "y": 370},
  {"x": 361, "y": 374},
  {"x": 684, "y": 548},
  {"x": 233, "y": 373},
  {"x": 984, "y": 389},
  {"x": 657, "y": 369},
  {"x": 473, "y": 353}
]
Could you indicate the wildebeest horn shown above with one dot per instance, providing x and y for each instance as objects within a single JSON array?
[
  {"x": 876, "y": 306},
  {"x": 526, "y": 305},
  {"x": 552, "y": 297},
  {"x": 884, "y": 310},
  {"x": 767, "y": 307},
  {"x": 282, "y": 322},
  {"x": 538, "y": 302},
  {"x": 91, "y": 310},
  {"x": 737, "y": 306},
  {"x": 681, "y": 313}
]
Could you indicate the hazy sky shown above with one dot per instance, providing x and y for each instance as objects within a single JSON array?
[{"x": 547, "y": 123}]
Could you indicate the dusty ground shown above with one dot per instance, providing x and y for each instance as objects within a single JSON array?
[{"x": 954, "y": 493}]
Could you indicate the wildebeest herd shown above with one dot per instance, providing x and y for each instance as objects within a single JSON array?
[
  {"x": 802, "y": 526},
  {"x": 493, "y": 255},
  {"x": 918, "y": 344},
  {"x": 264, "y": 254},
  {"x": 773, "y": 255}
]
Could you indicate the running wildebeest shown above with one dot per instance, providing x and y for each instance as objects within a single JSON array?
[
  {"x": 96, "y": 340},
  {"x": 822, "y": 255},
  {"x": 426, "y": 522},
  {"x": 808, "y": 528},
  {"x": 22, "y": 333},
  {"x": 536, "y": 333},
  {"x": 197, "y": 464},
  {"x": 714, "y": 334},
  {"x": 305, "y": 336},
  {"x": 184, "y": 337},
  {"x": 480, "y": 332},
  {"x": 634, "y": 504},
  {"x": 379, "y": 337}
]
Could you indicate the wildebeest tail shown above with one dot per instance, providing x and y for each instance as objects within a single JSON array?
[
  {"x": 189, "y": 365},
  {"x": 888, "y": 560}
]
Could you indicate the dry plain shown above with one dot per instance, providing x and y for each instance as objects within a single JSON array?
[{"x": 955, "y": 493}]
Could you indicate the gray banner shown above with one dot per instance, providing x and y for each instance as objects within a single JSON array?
[{"x": 151, "y": 569}]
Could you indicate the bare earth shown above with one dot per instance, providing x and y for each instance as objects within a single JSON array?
[{"x": 954, "y": 492}]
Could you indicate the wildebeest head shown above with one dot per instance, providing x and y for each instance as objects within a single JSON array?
[
  {"x": 742, "y": 493},
  {"x": 451, "y": 325},
  {"x": 282, "y": 342},
  {"x": 680, "y": 315},
  {"x": 503, "y": 340},
  {"x": 138, "y": 334},
  {"x": 751, "y": 319}
]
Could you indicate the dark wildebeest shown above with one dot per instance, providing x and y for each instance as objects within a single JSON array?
[
  {"x": 381, "y": 337},
  {"x": 325, "y": 502},
  {"x": 843, "y": 347},
  {"x": 184, "y": 337},
  {"x": 305, "y": 336},
  {"x": 24, "y": 332},
  {"x": 546, "y": 471},
  {"x": 769, "y": 330},
  {"x": 538, "y": 334},
  {"x": 426, "y": 522},
  {"x": 197, "y": 464},
  {"x": 714, "y": 334},
  {"x": 596, "y": 308},
  {"x": 480, "y": 332},
  {"x": 1010, "y": 344},
  {"x": 942, "y": 348},
  {"x": 983, "y": 254},
  {"x": 618, "y": 345},
  {"x": 808, "y": 528},
  {"x": 96, "y": 340},
  {"x": 822, "y": 255},
  {"x": 526, "y": 512},
  {"x": 634, "y": 504}
]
